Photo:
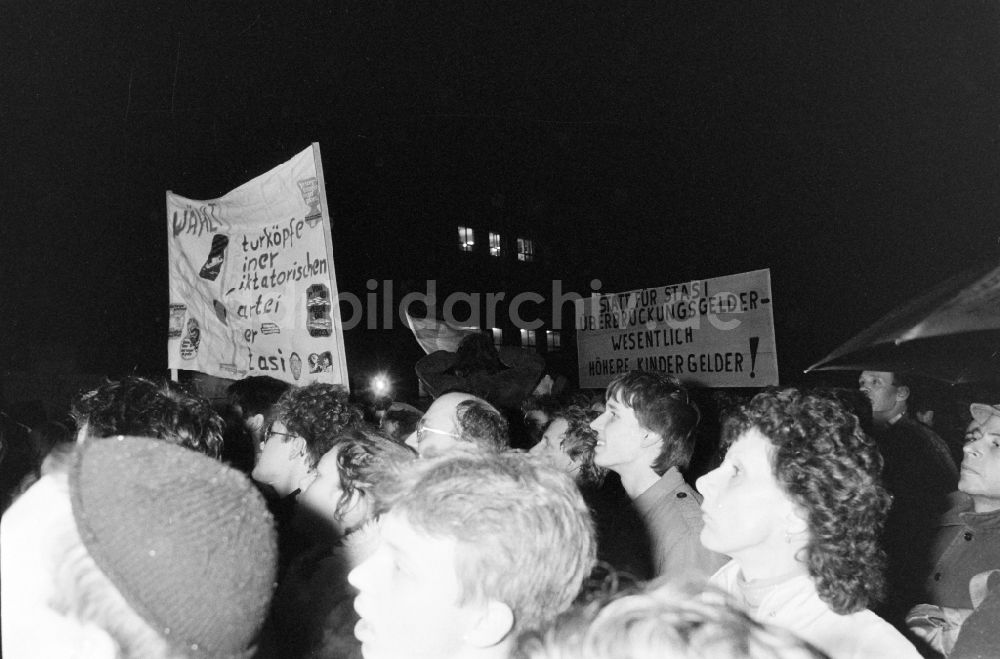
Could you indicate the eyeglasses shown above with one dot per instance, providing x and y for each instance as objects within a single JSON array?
[
  {"x": 270, "y": 432},
  {"x": 422, "y": 428}
]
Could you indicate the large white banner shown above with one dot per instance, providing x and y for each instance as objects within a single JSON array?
[
  {"x": 711, "y": 332},
  {"x": 252, "y": 283}
]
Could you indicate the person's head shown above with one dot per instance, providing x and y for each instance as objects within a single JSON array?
[
  {"x": 980, "y": 475},
  {"x": 400, "y": 423},
  {"x": 181, "y": 565},
  {"x": 344, "y": 492},
  {"x": 482, "y": 424},
  {"x": 538, "y": 412},
  {"x": 648, "y": 423},
  {"x": 887, "y": 391},
  {"x": 255, "y": 399},
  {"x": 568, "y": 444},
  {"x": 669, "y": 621},
  {"x": 457, "y": 418},
  {"x": 475, "y": 353},
  {"x": 800, "y": 484},
  {"x": 476, "y": 547},
  {"x": 307, "y": 422},
  {"x": 141, "y": 407}
]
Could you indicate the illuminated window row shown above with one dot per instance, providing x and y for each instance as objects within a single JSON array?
[
  {"x": 467, "y": 243},
  {"x": 553, "y": 339}
]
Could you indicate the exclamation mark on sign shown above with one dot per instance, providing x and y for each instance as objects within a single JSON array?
[{"x": 754, "y": 342}]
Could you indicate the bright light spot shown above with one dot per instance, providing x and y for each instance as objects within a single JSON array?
[{"x": 380, "y": 385}]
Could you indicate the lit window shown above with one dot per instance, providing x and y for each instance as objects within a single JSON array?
[
  {"x": 494, "y": 244},
  {"x": 553, "y": 339},
  {"x": 466, "y": 239},
  {"x": 525, "y": 249},
  {"x": 497, "y": 336},
  {"x": 527, "y": 338}
]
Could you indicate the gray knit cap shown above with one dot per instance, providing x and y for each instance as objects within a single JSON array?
[{"x": 187, "y": 541}]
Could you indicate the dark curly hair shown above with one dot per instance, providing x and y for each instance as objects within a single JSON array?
[
  {"x": 828, "y": 466},
  {"x": 405, "y": 423},
  {"x": 256, "y": 394},
  {"x": 482, "y": 424},
  {"x": 141, "y": 407},
  {"x": 318, "y": 413},
  {"x": 364, "y": 458},
  {"x": 579, "y": 441}
]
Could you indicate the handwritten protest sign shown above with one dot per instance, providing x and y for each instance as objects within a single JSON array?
[
  {"x": 712, "y": 332},
  {"x": 252, "y": 284}
]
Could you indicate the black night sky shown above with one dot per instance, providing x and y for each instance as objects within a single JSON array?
[{"x": 851, "y": 147}]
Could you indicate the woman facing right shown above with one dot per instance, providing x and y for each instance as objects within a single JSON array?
[{"x": 798, "y": 505}]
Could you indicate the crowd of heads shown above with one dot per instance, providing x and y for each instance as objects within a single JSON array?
[{"x": 156, "y": 548}]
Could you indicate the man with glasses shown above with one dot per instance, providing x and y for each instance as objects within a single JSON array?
[
  {"x": 457, "y": 418},
  {"x": 307, "y": 422}
]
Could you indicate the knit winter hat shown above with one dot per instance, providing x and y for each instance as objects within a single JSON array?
[{"x": 187, "y": 541}]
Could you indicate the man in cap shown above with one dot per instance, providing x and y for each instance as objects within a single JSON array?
[{"x": 968, "y": 541}]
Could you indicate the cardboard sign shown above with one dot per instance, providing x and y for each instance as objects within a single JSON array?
[
  {"x": 711, "y": 332},
  {"x": 252, "y": 283}
]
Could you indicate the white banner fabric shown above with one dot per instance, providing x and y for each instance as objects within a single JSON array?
[
  {"x": 252, "y": 283},
  {"x": 711, "y": 332}
]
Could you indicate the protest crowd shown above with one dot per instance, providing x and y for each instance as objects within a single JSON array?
[{"x": 506, "y": 517}]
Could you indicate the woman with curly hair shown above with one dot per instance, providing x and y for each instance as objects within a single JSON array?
[{"x": 798, "y": 505}]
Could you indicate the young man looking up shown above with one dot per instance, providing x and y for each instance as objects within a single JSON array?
[
  {"x": 646, "y": 436},
  {"x": 476, "y": 547}
]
